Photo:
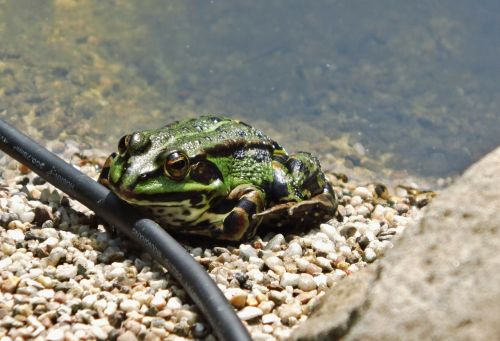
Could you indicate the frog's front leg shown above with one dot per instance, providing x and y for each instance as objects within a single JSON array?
[{"x": 241, "y": 222}]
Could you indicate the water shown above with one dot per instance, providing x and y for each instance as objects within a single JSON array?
[{"x": 387, "y": 88}]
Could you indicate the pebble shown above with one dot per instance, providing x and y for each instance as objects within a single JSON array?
[
  {"x": 249, "y": 313},
  {"x": 321, "y": 281},
  {"x": 275, "y": 243},
  {"x": 370, "y": 255},
  {"x": 130, "y": 305},
  {"x": 174, "y": 303},
  {"x": 324, "y": 263},
  {"x": 288, "y": 279},
  {"x": 56, "y": 334},
  {"x": 158, "y": 301},
  {"x": 89, "y": 300},
  {"x": 46, "y": 293},
  {"x": 99, "y": 333},
  {"x": 323, "y": 246},
  {"x": 270, "y": 318},
  {"x": 306, "y": 282},
  {"x": 237, "y": 297},
  {"x": 4, "y": 263},
  {"x": 247, "y": 251},
  {"x": 363, "y": 192},
  {"x": 276, "y": 264},
  {"x": 16, "y": 235},
  {"x": 293, "y": 250},
  {"x": 288, "y": 311},
  {"x": 27, "y": 217},
  {"x": 65, "y": 272}
]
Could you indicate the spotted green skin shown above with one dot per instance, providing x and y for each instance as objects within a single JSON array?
[{"x": 236, "y": 174}]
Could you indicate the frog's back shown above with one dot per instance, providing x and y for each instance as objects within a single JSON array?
[{"x": 212, "y": 136}]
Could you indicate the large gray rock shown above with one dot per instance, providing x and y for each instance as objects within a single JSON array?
[{"x": 441, "y": 280}]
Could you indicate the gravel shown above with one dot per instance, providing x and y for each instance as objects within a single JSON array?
[{"x": 63, "y": 276}]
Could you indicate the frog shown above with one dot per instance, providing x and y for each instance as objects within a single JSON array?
[{"x": 217, "y": 177}]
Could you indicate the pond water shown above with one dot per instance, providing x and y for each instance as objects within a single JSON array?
[{"x": 387, "y": 88}]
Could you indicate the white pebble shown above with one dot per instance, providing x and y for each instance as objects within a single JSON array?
[
  {"x": 321, "y": 281},
  {"x": 324, "y": 263},
  {"x": 294, "y": 250},
  {"x": 324, "y": 246},
  {"x": 101, "y": 304},
  {"x": 110, "y": 308},
  {"x": 129, "y": 305},
  {"x": 115, "y": 273},
  {"x": 247, "y": 251},
  {"x": 370, "y": 255},
  {"x": 89, "y": 300},
  {"x": 289, "y": 279},
  {"x": 356, "y": 200},
  {"x": 306, "y": 282},
  {"x": 276, "y": 264},
  {"x": 142, "y": 297},
  {"x": 288, "y": 311},
  {"x": 99, "y": 333},
  {"x": 17, "y": 206},
  {"x": 378, "y": 213},
  {"x": 50, "y": 243},
  {"x": 16, "y": 235},
  {"x": 4, "y": 263},
  {"x": 302, "y": 264},
  {"x": 27, "y": 217},
  {"x": 363, "y": 192},
  {"x": 65, "y": 272},
  {"x": 174, "y": 303},
  {"x": 329, "y": 230},
  {"x": 56, "y": 334},
  {"x": 270, "y": 318},
  {"x": 345, "y": 250},
  {"x": 255, "y": 275},
  {"x": 249, "y": 313},
  {"x": 46, "y": 293},
  {"x": 158, "y": 301}
]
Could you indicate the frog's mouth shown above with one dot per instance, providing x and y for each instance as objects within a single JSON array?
[{"x": 195, "y": 200}]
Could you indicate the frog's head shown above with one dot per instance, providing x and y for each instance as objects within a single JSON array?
[{"x": 150, "y": 168}]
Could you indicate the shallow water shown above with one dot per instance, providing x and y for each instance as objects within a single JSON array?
[{"x": 390, "y": 88}]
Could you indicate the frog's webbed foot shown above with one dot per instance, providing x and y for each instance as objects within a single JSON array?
[
  {"x": 301, "y": 192},
  {"x": 242, "y": 222},
  {"x": 311, "y": 212}
]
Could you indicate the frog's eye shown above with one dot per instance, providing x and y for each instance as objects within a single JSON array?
[
  {"x": 176, "y": 165},
  {"x": 123, "y": 144}
]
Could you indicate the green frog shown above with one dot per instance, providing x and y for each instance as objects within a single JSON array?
[{"x": 217, "y": 177}]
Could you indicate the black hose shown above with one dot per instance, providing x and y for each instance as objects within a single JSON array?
[{"x": 165, "y": 250}]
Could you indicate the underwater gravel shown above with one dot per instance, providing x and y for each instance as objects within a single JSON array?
[{"x": 64, "y": 277}]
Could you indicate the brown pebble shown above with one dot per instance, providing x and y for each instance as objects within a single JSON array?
[
  {"x": 10, "y": 285},
  {"x": 42, "y": 214},
  {"x": 60, "y": 297},
  {"x": 23, "y": 169},
  {"x": 342, "y": 265}
]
